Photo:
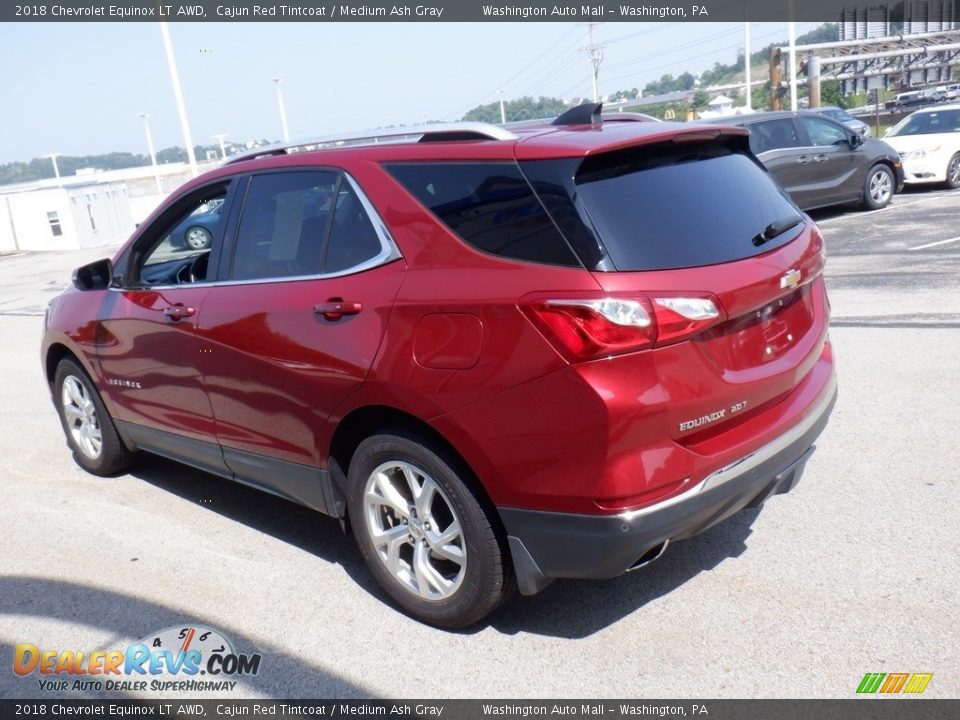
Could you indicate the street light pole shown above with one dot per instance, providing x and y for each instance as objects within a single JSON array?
[
  {"x": 178, "y": 96},
  {"x": 746, "y": 67},
  {"x": 56, "y": 171},
  {"x": 283, "y": 112},
  {"x": 153, "y": 155},
  {"x": 503, "y": 111},
  {"x": 223, "y": 148}
]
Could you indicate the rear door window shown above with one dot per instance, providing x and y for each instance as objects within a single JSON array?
[{"x": 676, "y": 206}]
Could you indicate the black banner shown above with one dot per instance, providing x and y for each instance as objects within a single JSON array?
[
  {"x": 461, "y": 11},
  {"x": 852, "y": 709}
]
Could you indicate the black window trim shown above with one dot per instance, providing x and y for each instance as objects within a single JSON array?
[{"x": 167, "y": 220}]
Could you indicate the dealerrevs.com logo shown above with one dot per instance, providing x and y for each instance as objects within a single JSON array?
[{"x": 188, "y": 659}]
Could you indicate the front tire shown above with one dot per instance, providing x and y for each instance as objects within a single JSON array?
[
  {"x": 878, "y": 188},
  {"x": 422, "y": 532},
  {"x": 91, "y": 434},
  {"x": 953, "y": 172}
]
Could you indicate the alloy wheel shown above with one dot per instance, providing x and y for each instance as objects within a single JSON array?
[
  {"x": 881, "y": 187},
  {"x": 415, "y": 530},
  {"x": 81, "y": 418}
]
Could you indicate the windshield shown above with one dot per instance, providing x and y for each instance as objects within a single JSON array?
[{"x": 928, "y": 123}]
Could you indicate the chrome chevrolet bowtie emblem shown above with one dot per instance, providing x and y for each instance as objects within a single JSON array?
[{"x": 790, "y": 279}]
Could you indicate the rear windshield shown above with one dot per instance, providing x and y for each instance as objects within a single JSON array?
[{"x": 684, "y": 206}]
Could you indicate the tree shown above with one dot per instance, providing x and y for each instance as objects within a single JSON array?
[
  {"x": 700, "y": 100},
  {"x": 525, "y": 108}
]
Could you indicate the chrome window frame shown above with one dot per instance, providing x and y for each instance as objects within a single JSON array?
[{"x": 389, "y": 251}]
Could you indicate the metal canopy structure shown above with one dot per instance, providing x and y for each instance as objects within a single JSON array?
[{"x": 919, "y": 59}]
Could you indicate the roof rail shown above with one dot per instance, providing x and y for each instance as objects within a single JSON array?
[{"x": 433, "y": 132}]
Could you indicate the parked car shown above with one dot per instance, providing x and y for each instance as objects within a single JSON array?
[
  {"x": 498, "y": 356},
  {"x": 914, "y": 98},
  {"x": 821, "y": 162},
  {"x": 845, "y": 118},
  {"x": 196, "y": 230},
  {"x": 928, "y": 141},
  {"x": 952, "y": 92}
]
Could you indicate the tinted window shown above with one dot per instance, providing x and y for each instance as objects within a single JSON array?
[
  {"x": 490, "y": 206},
  {"x": 773, "y": 135},
  {"x": 284, "y": 223},
  {"x": 823, "y": 132},
  {"x": 352, "y": 237},
  {"x": 673, "y": 207}
]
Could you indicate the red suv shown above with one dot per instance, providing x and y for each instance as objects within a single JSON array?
[{"x": 499, "y": 356}]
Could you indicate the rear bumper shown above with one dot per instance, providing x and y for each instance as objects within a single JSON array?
[{"x": 550, "y": 545}]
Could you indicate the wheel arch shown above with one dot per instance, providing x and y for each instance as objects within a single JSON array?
[
  {"x": 367, "y": 420},
  {"x": 56, "y": 352}
]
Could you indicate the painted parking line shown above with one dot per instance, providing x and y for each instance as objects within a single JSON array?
[
  {"x": 902, "y": 202},
  {"x": 938, "y": 242}
]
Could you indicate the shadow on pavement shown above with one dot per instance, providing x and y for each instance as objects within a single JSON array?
[
  {"x": 567, "y": 609},
  {"x": 281, "y": 674}
]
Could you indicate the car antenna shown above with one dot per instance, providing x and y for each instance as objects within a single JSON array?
[{"x": 585, "y": 114}]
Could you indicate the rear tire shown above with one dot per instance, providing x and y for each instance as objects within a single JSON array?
[
  {"x": 878, "y": 188},
  {"x": 91, "y": 434},
  {"x": 953, "y": 172},
  {"x": 422, "y": 532},
  {"x": 197, "y": 238}
]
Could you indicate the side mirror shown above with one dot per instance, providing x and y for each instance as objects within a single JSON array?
[
  {"x": 95, "y": 276},
  {"x": 856, "y": 140}
]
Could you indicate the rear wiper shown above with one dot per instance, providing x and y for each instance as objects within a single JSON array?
[{"x": 777, "y": 227}]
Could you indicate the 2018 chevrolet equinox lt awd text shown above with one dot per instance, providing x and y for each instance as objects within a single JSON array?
[{"x": 499, "y": 355}]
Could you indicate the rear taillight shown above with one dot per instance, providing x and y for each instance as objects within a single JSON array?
[{"x": 591, "y": 328}]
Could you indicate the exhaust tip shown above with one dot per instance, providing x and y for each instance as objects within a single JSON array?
[{"x": 649, "y": 556}]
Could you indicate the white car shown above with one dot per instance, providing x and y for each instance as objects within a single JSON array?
[{"x": 928, "y": 142}]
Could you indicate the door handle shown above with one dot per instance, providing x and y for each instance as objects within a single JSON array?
[
  {"x": 179, "y": 312},
  {"x": 336, "y": 308},
  {"x": 803, "y": 160},
  {"x": 821, "y": 158}
]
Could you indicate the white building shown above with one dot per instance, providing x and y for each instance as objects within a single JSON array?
[
  {"x": 85, "y": 210},
  {"x": 64, "y": 218}
]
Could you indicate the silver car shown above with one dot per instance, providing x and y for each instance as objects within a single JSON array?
[{"x": 845, "y": 118}]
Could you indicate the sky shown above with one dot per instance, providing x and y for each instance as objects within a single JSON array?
[{"x": 77, "y": 88}]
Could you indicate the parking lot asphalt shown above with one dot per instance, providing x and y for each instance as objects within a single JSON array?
[{"x": 855, "y": 571}]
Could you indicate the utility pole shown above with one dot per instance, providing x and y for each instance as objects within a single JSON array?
[
  {"x": 813, "y": 79},
  {"x": 775, "y": 57},
  {"x": 223, "y": 148},
  {"x": 594, "y": 57},
  {"x": 503, "y": 112}
]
